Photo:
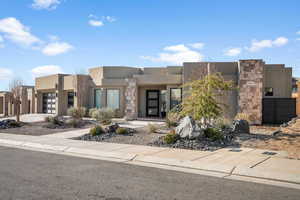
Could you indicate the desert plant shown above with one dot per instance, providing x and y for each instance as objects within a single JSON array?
[
  {"x": 171, "y": 138},
  {"x": 77, "y": 113},
  {"x": 47, "y": 119},
  {"x": 97, "y": 130},
  {"x": 152, "y": 128},
  {"x": 223, "y": 123},
  {"x": 242, "y": 116},
  {"x": 121, "y": 131},
  {"x": 75, "y": 123},
  {"x": 173, "y": 118},
  {"x": 213, "y": 133},
  {"x": 91, "y": 111},
  {"x": 103, "y": 115},
  {"x": 201, "y": 98}
]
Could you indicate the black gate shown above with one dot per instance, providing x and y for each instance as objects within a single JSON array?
[{"x": 278, "y": 110}]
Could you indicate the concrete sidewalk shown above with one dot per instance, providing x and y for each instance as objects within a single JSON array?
[{"x": 244, "y": 163}]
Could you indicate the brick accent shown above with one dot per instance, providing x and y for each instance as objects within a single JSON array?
[
  {"x": 251, "y": 89},
  {"x": 131, "y": 99}
]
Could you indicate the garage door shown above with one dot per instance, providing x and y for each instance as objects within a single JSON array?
[{"x": 49, "y": 101}]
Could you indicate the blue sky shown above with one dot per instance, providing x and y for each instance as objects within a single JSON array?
[{"x": 38, "y": 37}]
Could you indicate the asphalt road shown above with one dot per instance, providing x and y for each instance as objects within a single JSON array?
[{"x": 30, "y": 175}]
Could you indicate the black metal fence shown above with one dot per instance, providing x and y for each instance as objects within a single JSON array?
[{"x": 278, "y": 110}]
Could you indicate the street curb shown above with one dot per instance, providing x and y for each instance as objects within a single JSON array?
[{"x": 134, "y": 159}]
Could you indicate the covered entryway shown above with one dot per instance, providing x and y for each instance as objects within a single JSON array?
[
  {"x": 278, "y": 110},
  {"x": 49, "y": 103}
]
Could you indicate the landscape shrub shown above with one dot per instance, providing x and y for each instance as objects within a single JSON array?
[
  {"x": 53, "y": 120},
  {"x": 97, "y": 130},
  {"x": 242, "y": 116},
  {"x": 213, "y": 133},
  {"x": 152, "y": 128},
  {"x": 173, "y": 118},
  {"x": 171, "y": 138},
  {"x": 14, "y": 124},
  {"x": 122, "y": 131},
  {"x": 91, "y": 111},
  {"x": 75, "y": 123},
  {"x": 77, "y": 113},
  {"x": 103, "y": 115},
  {"x": 223, "y": 123}
]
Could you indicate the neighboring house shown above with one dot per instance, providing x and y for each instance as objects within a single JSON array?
[
  {"x": 7, "y": 107},
  {"x": 152, "y": 92}
]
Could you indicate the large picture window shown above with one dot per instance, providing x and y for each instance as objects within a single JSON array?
[
  {"x": 113, "y": 98},
  {"x": 98, "y": 98},
  {"x": 175, "y": 97}
]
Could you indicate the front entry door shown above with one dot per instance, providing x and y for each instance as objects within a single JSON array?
[{"x": 152, "y": 103}]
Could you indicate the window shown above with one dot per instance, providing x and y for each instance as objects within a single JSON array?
[
  {"x": 70, "y": 99},
  {"x": 175, "y": 97},
  {"x": 113, "y": 98},
  {"x": 98, "y": 98},
  {"x": 268, "y": 91}
]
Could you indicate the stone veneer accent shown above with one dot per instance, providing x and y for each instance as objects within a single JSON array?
[
  {"x": 251, "y": 89},
  {"x": 131, "y": 99}
]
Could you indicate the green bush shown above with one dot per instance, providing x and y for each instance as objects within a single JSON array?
[
  {"x": 173, "y": 118},
  {"x": 53, "y": 120},
  {"x": 75, "y": 123},
  {"x": 122, "y": 131},
  {"x": 152, "y": 128},
  {"x": 97, "y": 130},
  {"x": 213, "y": 133},
  {"x": 103, "y": 115},
  {"x": 171, "y": 138},
  {"x": 223, "y": 123},
  {"x": 91, "y": 111},
  {"x": 77, "y": 113}
]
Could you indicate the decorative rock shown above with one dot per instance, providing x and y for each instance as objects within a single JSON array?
[
  {"x": 240, "y": 126},
  {"x": 112, "y": 128},
  {"x": 187, "y": 128}
]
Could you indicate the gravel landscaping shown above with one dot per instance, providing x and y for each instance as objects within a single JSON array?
[{"x": 41, "y": 128}]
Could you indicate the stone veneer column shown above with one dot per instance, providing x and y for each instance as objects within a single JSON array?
[
  {"x": 131, "y": 99},
  {"x": 251, "y": 89}
]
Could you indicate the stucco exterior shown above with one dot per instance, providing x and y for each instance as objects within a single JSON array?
[{"x": 139, "y": 92}]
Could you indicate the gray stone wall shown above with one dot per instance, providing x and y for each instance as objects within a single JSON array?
[
  {"x": 251, "y": 89},
  {"x": 131, "y": 99}
]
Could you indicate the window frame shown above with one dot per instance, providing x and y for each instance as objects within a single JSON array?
[
  {"x": 119, "y": 100},
  {"x": 171, "y": 96}
]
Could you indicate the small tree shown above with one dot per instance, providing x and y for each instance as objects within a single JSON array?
[
  {"x": 15, "y": 87},
  {"x": 201, "y": 100}
]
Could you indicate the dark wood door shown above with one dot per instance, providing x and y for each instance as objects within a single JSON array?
[{"x": 152, "y": 103}]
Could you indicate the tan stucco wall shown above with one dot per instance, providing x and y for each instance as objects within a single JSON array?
[{"x": 280, "y": 79}]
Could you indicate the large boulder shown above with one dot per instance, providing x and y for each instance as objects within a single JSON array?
[
  {"x": 240, "y": 126},
  {"x": 188, "y": 128}
]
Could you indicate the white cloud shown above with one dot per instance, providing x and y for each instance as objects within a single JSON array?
[
  {"x": 298, "y": 39},
  {"x": 233, "y": 52},
  {"x": 177, "y": 55},
  {"x": 5, "y": 74},
  {"x": 197, "y": 45},
  {"x": 53, "y": 37},
  {"x": 46, "y": 70},
  {"x": 298, "y": 32},
  {"x": 1, "y": 42},
  {"x": 110, "y": 18},
  {"x": 15, "y": 31},
  {"x": 45, "y": 4},
  {"x": 93, "y": 22},
  {"x": 56, "y": 48},
  {"x": 179, "y": 47},
  {"x": 280, "y": 41},
  {"x": 258, "y": 45}
]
